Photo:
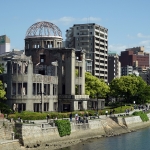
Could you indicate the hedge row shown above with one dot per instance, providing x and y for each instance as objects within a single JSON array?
[{"x": 27, "y": 115}]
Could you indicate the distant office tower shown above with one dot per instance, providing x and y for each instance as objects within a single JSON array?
[
  {"x": 126, "y": 70},
  {"x": 4, "y": 44},
  {"x": 135, "y": 57},
  {"x": 114, "y": 66},
  {"x": 94, "y": 39}
]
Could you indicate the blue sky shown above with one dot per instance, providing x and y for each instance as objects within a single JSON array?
[{"x": 127, "y": 21}]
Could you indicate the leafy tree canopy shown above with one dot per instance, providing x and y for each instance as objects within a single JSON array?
[
  {"x": 129, "y": 87},
  {"x": 2, "y": 91},
  {"x": 1, "y": 69},
  {"x": 95, "y": 87}
]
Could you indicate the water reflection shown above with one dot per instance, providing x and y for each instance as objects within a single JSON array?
[{"x": 132, "y": 141}]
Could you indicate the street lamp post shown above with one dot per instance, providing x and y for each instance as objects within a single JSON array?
[
  {"x": 41, "y": 93},
  {"x": 97, "y": 104},
  {"x": 41, "y": 102},
  {"x": 97, "y": 95},
  {"x": 134, "y": 104},
  {"x": 121, "y": 100}
]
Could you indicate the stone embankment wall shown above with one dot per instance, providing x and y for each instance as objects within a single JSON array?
[
  {"x": 10, "y": 145},
  {"x": 6, "y": 130},
  {"x": 33, "y": 135},
  {"x": 42, "y": 136},
  {"x": 134, "y": 123}
]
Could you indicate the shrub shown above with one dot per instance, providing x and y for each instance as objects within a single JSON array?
[
  {"x": 64, "y": 127},
  {"x": 5, "y": 109},
  {"x": 142, "y": 115}
]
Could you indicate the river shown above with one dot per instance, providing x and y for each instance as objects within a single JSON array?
[{"x": 139, "y": 140}]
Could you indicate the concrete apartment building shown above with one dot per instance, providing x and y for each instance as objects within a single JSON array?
[
  {"x": 4, "y": 44},
  {"x": 93, "y": 39},
  {"x": 135, "y": 57},
  {"x": 114, "y": 66},
  {"x": 126, "y": 70}
]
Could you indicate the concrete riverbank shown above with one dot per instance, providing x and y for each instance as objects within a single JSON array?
[{"x": 40, "y": 135}]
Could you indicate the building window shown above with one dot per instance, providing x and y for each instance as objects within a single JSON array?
[
  {"x": 42, "y": 58},
  {"x": 46, "y": 106}
]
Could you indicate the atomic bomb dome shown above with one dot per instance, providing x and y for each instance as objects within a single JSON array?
[
  {"x": 43, "y": 35},
  {"x": 43, "y": 28}
]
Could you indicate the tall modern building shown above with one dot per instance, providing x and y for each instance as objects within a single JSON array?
[
  {"x": 135, "y": 57},
  {"x": 114, "y": 66},
  {"x": 4, "y": 44},
  {"x": 93, "y": 39}
]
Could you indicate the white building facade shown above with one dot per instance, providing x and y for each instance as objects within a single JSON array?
[
  {"x": 93, "y": 39},
  {"x": 4, "y": 44}
]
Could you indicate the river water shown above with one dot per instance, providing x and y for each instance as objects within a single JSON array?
[{"x": 139, "y": 140}]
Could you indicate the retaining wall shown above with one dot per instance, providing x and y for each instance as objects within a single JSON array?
[
  {"x": 10, "y": 145},
  {"x": 33, "y": 135}
]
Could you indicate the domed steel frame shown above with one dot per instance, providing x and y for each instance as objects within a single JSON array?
[{"x": 43, "y": 29}]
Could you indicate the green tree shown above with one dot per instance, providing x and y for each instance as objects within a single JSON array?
[
  {"x": 1, "y": 69},
  {"x": 143, "y": 93},
  {"x": 2, "y": 90},
  {"x": 131, "y": 87},
  {"x": 126, "y": 87},
  {"x": 95, "y": 87}
]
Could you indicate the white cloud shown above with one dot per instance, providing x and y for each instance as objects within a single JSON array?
[
  {"x": 140, "y": 35},
  {"x": 130, "y": 36},
  {"x": 64, "y": 20},
  {"x": 91, "y": 19},
  {"x": 70, "y": 20},
  {"x": 117, "y": 48},
  {"x": 146, "y": 44}
]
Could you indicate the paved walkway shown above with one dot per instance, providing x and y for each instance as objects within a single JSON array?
[{"x": 100, "y": 117}]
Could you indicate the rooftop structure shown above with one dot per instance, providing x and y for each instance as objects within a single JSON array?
[
  {"x": 4, "y": 44},
  {"x": 44, "y": 35}
]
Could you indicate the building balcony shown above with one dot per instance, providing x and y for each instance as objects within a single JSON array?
[
  {"x": 97, "y": 63},
  {"x": 102, "y": 43},
  {"x": 85, "y": 29},
  {"x": 84, "y": 40},
  {"x": 97, "y": 30},
  {"x": 20, "y": 77},
  {"x": 98, "y": 47},
  {"x": 81, "y": 97},
  {"x": 81, "y": 35}
]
